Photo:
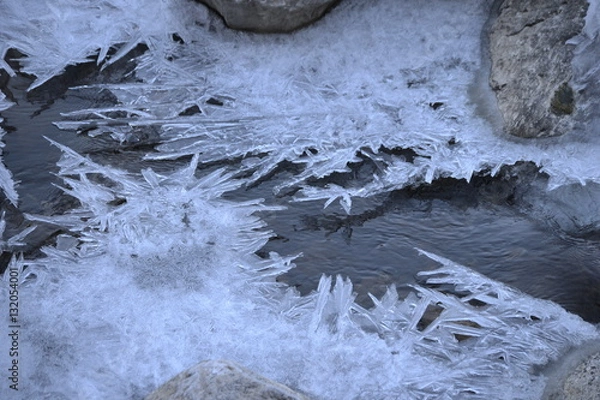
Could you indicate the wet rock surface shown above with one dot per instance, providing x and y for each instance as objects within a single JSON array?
[
  {"x": 531, "y": 65},
  {"x": 222, "y": 380},
  {"x": 269, "y": 15}
]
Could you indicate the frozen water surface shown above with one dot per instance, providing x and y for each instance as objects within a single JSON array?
[{"x": 156, "y": 271}]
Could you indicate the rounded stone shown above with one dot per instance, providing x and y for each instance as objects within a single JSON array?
[
  {"x": 269, "y": 16},
  {"x": 222, "y": 380}
]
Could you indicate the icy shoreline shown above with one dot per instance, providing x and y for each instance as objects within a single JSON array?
[
  {"x": 156, "y": 271},
  {"x": 116, "y": 283},
  {"x": 161, "y": 277}
]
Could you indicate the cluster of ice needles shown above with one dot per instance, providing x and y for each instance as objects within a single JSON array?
[{"x": 156, "y": 271}]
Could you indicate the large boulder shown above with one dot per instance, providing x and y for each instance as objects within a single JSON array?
[
  {"x": 531, "y": 64},
  {"x": 269, "y": 15},
  {"x": 222, "y": 380}
]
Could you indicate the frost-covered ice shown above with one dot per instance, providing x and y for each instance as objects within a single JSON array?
[
  {"x": 158, "y": 272},
  {"x": 371, "y": 74},
  {"x": 6, "y": 181},
  {"x": 54, "y": 34},
  {"x": 374, "y": 74}
]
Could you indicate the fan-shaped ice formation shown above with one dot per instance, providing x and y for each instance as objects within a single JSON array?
[{"x": 379, "y": 74}]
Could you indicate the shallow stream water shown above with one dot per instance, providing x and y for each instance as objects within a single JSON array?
[{"x": 460, "y": 221}]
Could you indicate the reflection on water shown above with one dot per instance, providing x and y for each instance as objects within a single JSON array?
[
  {"x": 377, "y": 248},
  {"x": 28, "y": 155}
]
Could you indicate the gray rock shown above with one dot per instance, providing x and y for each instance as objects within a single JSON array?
[
  {"x": 584, "y": 382},
  {"x": 531, "y": 65},
  {"x": 222, "y": 380},
  {"x": 269, "y": 15},
  {"x": 576, "y": 376}
]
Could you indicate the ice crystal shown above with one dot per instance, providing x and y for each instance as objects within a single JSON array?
[
  {"x": 6, "y": 181},
  {"x": 158, "y": 272},
  {"x": 329, "y": 96},
  {"x": 155, "y": 271},
  {"x": 55, "y": 34}
]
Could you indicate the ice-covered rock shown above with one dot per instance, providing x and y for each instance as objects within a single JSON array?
[
  {"x": 270, "y": 15},
  {"x": 531, "y": 65},
  {"x": 571, "y": 208},
  {"x": 222, "y": 380}
]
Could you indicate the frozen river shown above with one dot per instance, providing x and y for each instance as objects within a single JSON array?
[{"x": 220, "y": 174}]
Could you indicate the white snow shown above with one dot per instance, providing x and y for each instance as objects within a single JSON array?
[{"x": 158, "y": 272}]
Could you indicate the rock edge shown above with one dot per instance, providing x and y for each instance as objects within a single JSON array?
[
  {"x": 270, "y": 16},
  {"x": 222, "y": 380}
]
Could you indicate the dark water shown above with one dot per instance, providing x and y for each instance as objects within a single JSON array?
[
  {"x": 481, "y": 224},
  {"x": 28, "y": 155},
  {"x": 459, "y": 221},
  {"x": 32, "y": 160}
]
